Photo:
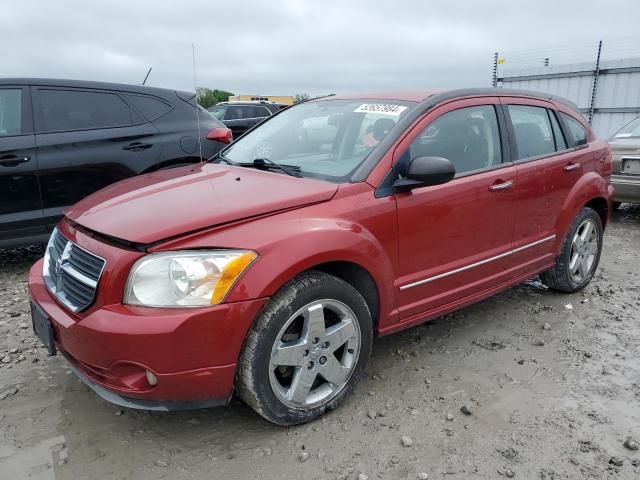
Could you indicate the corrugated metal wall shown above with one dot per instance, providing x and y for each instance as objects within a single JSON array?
[{"x": 617, "y": 99}]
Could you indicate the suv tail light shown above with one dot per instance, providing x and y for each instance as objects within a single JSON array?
[{"x": 220, "y": 134}]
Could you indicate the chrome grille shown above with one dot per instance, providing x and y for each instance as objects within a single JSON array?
[{"x": 71, "y": 273}]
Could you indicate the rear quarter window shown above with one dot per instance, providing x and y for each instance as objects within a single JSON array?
[
  {"x": 576, "y": 132},
  {"x": 150, "y": 107}
]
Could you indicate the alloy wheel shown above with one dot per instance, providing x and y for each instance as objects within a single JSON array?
[
  {"x": 584, "y": 249},
  {"x": 314, "y": 354}
]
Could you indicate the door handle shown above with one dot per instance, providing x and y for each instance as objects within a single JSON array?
[
  {"x": 496, "y": 187},
  {"x": 569, "y": 167},
  {"x": 12, "y": 160},
  {"x": 137, "y": 147}
]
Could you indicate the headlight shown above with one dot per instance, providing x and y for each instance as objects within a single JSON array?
[{"x": 185, "y": 279}]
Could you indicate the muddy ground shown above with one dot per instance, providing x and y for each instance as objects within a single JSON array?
[{"x": 551, "y": 382}]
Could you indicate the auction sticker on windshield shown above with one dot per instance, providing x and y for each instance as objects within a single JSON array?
[{"x": 385, "y": 108}]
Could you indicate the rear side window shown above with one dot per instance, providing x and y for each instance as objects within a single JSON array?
[
  {"x": 576, "y": 132},
  {"x": 234, "y": 113},
  {"x": 62, "y": 110},
  {"x": 468, "y": 137},
  {"x": 240, "y": 112},
  {"x": 150, "y": 107},
  {"x": 10, "y": 112},
  {"x": 532, "y": 129}
]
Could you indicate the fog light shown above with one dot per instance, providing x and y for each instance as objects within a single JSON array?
[{"x": 151, "y": 378}]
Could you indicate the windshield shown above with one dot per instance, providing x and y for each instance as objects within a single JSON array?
[
  {"x": 630, "y": 130},
  {"x": 326, "y": 139}
]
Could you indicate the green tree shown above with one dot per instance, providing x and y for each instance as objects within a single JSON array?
[
  {"x": 300, "y": 97},
  {"x": 208, "y": 98}
]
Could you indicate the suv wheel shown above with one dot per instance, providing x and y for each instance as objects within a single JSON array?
[
  {"x": 306, "y": 351},
  {"x": 579, "y": 255}
]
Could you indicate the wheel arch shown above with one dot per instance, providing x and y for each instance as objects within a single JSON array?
[
  {"x": 359, "y": 278},
  {"x": 601, "y": 206},
  {"x": 589, "y": 191}
]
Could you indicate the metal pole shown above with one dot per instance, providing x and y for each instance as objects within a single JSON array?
[
  {"x": 594, "y": 90},
  {"x": 494, "y": 82}
]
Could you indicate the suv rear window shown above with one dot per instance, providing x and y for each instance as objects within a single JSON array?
[
  {"x": 576, "y": 133},
  {"x": 62, "y": 110},
  {"x": 10, "y": 111},
  {"x": 150, "y": 107},
  {"x": 532, "y": 129}
]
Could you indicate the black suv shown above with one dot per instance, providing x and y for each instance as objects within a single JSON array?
[
  {"x": 61, "y": 140},
  {"x": 241, "y": 116}
]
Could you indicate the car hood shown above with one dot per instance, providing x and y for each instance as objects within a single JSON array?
[{"x": 168, "y": 203}]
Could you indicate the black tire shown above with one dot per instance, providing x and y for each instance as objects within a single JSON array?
[
  {"x": 253, "y": 376},
  {"x": 559, "y": 277}
]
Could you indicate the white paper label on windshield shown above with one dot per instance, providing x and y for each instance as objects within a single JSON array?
[{"x": 382, "y": 108}]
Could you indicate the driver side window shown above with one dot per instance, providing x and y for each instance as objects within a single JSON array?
[{"x": 468, "y": 137}]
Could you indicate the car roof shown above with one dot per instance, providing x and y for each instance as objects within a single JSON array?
[
  {"x": 59, "y": 82},
  {"x": 401, "y": 95},
  {"x": 442, "y": 94},
  {"x": 249, "y": 102}
]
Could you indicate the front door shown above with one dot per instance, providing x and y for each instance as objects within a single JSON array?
[
  {"x": 20, "y": 203},
  {"x": 455, "y": 239}
]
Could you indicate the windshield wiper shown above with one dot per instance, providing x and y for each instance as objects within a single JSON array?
[
  {"x": 218, "y": 157},
  {"x": 266, "y": 164}
]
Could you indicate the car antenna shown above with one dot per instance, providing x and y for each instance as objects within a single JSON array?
[
  {"x": 146, "y": 76},
  {"x": 195, "y": 88}
]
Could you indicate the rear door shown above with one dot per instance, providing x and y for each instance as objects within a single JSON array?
[
  {"x": 20, "y": 204},
  {"x": 455, "y": 238},
  {"x": 547, "y": 169},
  {"x": 87, "y": 139}
]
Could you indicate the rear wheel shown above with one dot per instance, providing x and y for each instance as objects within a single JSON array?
[
  {"x": 579, "y": 255},
  {"x": 306, "y": 351}
]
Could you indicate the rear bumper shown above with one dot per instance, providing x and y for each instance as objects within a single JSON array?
[
  {"x": 627, "y": 188},
  {"x": 191, "y": 352}
]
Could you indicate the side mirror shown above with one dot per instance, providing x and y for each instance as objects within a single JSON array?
[{"x": 424, "y": 172}]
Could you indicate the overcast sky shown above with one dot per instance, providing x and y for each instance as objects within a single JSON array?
[{"x": 290, "y": 46}]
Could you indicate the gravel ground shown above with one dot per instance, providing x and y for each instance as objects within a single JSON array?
[{"x": 529, "y": 384}]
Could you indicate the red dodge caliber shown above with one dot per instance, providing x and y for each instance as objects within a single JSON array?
[{"x": 268, "y": 270}]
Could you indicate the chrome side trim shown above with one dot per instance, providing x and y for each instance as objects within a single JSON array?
[
  {"x": 529, "y": 245},
  {"x": 476, "y": 264}
]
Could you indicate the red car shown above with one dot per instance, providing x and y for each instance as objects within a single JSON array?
[{"x": 269, "y": 270}]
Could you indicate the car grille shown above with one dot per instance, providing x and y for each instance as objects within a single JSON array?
[{"x": 71, "y": 273}]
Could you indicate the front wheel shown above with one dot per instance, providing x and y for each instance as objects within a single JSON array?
[
  {"x": 306, "y": 351},
  {"x": 579, "y": 255}
]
